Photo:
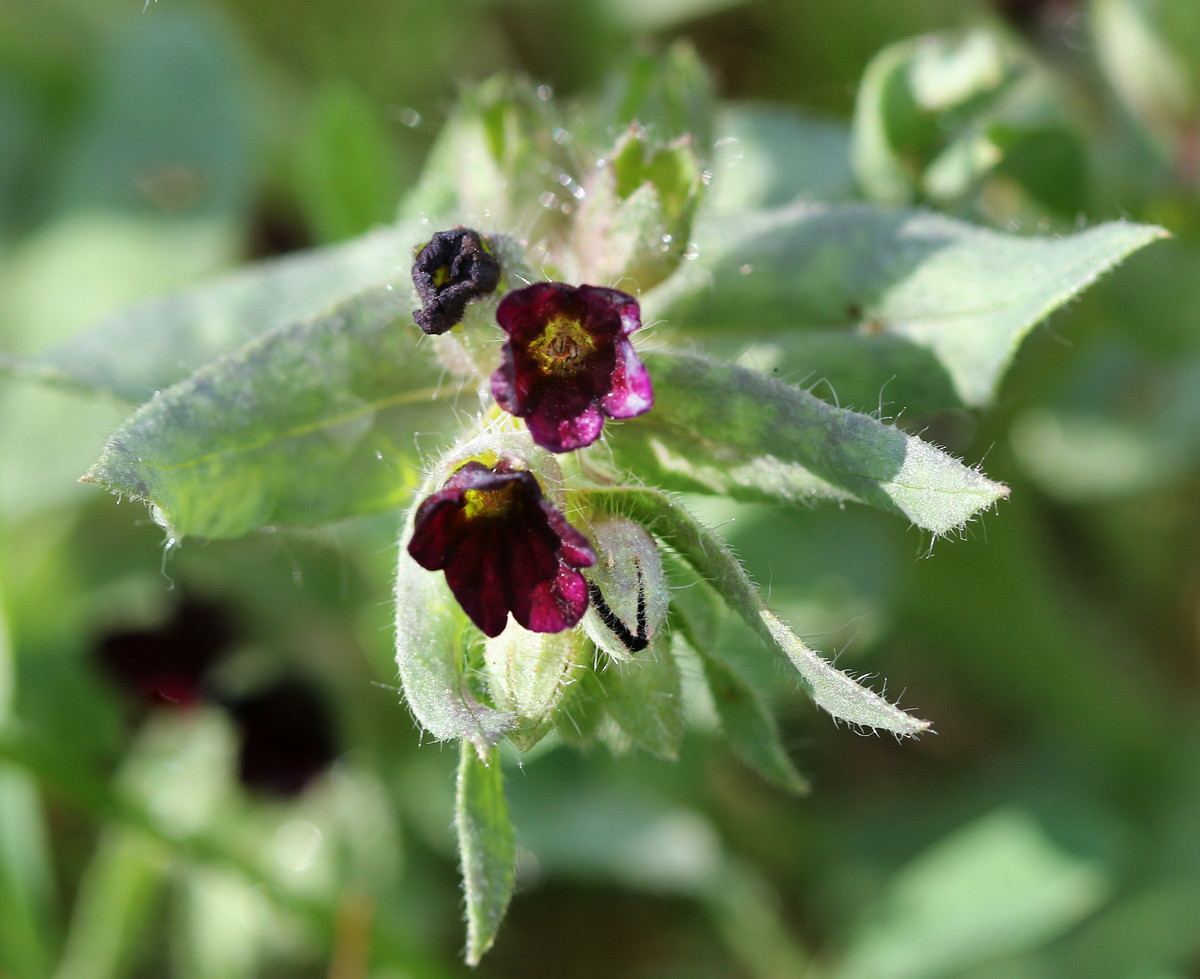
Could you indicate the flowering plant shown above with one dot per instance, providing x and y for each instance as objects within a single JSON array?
[{"x": 551, "y": 577}]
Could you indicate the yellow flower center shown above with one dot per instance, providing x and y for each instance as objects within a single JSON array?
[
  {"x": 563, "y": 346},
  {"x": 496, "y": 502}
]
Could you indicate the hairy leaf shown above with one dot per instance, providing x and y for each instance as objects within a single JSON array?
[
  {"x": 486, "y": 845},
  {"x": 149, "y": 347},
  {"x": 749, "y": 725},
  {"x": 312, "y": 423},
  {"x": 725, "y": 430},
  {"x": 924, "y": 288},
  {"x": 709, "y": 556}
]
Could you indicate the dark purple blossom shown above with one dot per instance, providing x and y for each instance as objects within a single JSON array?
[
  {"x": 504, "y": 548},
  {"x": 286, "y": 737},
  {"x": 454, "y": 268},
  {"x": 168, "y": 664},
  {"x": 568, "y": 362}
]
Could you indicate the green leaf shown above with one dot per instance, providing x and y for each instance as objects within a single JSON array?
[
  {"x": 917, "y": 112},
  {"x": 711, "y": 558},
  {"x": 346, "y": 166},
  {"x": 310, "y": 424},
  {"x": 643, "y": 696},
  {"x": 636, "y": 218},
  {"x": 169, "y": 131},
  {"x": 725, "y": 430},
  {"x": 669, "y": 94},
  {"x": 496, "y": 164},
  {"x": 767, "y": 155},
  {"x": 149, "y": 347},
  {"x": 123, "y": 881},
  {"x": 910, "y": 287},
  {"x": 26, "y": 889},
  {"x": 742, "y": 710},
  {"x": 996, "y": 887},
  {"x": 486, "y": 845},
  {"x": 749, "y": 725}
]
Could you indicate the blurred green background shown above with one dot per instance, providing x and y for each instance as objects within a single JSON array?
[{"x": 1051, "y": 827}]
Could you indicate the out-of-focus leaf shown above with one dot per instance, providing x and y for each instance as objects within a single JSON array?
[
  {"x": 1149, "y": 52},
  {"x": 147, "y": 348},
  {"x": 926, "y": 288},
  {"x": 112, "y": 909},
  {"x": 25, "y": 874},
  {"x": 937, "y": 117},
  {"x": 487, "y": 847},
  {"x": 750, "y": 727},
  {"x": 711, "y": 558},
  {"x": 312, "y": 423},
  {"x": 16, "y": 136},
  {"x": 669, "y": 94},
  {"x": 646, "y": 17},
  {"x": 216, "y": 938},
  {"x": 726, "y": 430},
  {"x": 917, "y": 114},
  {"x": 629, "y": 834},
  {"x": 496, "y": 164},
  {"x": 767, "y": 156},
  {"x": 998, "y": 886},
  {"x": 168, "y": 132},
  {"x": 346, "y": 170},
  {"x": 26, "y": 892},
  {"x": 748, "y": 723},
  {"x": 1123, "y": 425}
]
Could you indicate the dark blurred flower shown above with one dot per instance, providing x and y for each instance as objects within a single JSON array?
[
  {"x": 454, "y": 268},
  {"x": 286, "y": 738},
  {"x": 168, "y": 664},
  {"x": 568, "y": 362},
  {"x": 1031, "y": 16},
  {"x": 504, "y": 548}
]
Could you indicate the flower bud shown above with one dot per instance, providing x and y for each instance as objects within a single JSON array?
[
  {"x": 637, "y": 219},
  {"x": 527, "y": 674},
  {"x": 628, "y": 589},
  {"x": 454, "y": 268}
]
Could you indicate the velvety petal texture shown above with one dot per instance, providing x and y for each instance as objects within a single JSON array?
[
  {"x": 504, "y": 548},
  {"x": 569, "y": 362}
]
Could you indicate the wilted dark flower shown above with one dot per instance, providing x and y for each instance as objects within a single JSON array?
[
  {"x": 568, "y": 362},
  {"x": 286, "y": 738},
  {"x": 168, "y": 665},
  {"x": 449, "y": 272},
  {"x": 504, "y": 548}
]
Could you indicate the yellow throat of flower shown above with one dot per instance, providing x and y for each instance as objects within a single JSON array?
[
  {"x": 485, "y": 503},
  {"x": 563, "y": 346}
]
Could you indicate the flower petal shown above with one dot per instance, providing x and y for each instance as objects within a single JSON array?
[
  {"x": 504, "y": 548},
  {"x": 632, "y": 393},
  {"x": 568, "y": 362},
  {"x": 565, "y": 434}
]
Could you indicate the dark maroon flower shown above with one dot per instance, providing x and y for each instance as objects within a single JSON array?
[
  {"x": 568, "y": 362},
  {"x": 286, "y": 737},
  {"x": 504, "y": 548},
  {"x": 168, "y": 664},
  {"x": 454, "y": 268}
]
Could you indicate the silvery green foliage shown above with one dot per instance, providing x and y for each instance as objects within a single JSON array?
[{"x": 298, "y": 392}]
